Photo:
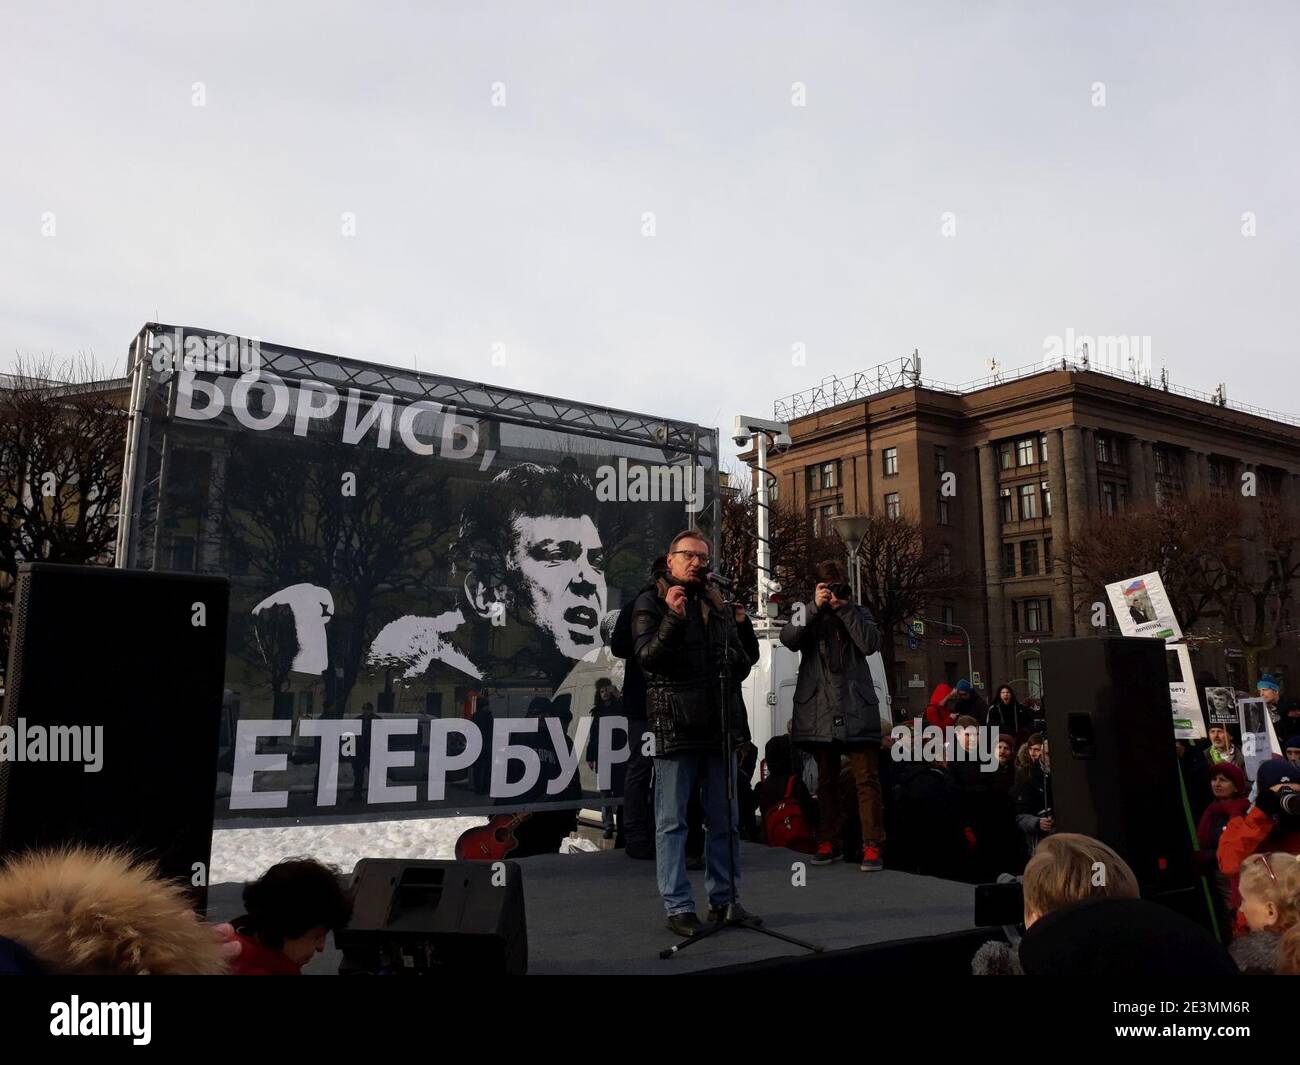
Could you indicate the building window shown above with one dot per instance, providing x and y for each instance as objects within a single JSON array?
[
  {"x": 821, "y": 520},
  {"x": 890, "y": 457},
  {"x": 1028, "y": 502},
  {"x": 940, "y": 460},
  {"x": 1034, "y": 674},
  {"x": 1161, "y": 460},
  {"x": 1025, "y": 451},
  {"x": 1033, "y": 615},
  {"x": 945, "y": 615},
  {"x": 1005, "y": 459},
  {"x": 1029, "y": 558},
  {"x": 1008, "y": 560},
  {"x": 945, "y": 559},
  {"x": 892, "y": 509},
  {"x": 823, "y": 476},
  {"x": 1047, "y": 500},
  {"x": 774, "y": 491},
  {"x": 1047, "y": 554},
  {"x": 943, "y": 511},
  {"x": 1007, "y": 513},
  {"x": 1105, "y": 449},
  {"x": 1109, "y": 498},
  {"x": 1042, "y": 447}
]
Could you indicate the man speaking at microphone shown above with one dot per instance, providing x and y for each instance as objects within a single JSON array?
[{"x": 686, "y": 636}]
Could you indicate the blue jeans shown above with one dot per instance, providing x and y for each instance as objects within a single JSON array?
[{"x": 675, "y": 778}]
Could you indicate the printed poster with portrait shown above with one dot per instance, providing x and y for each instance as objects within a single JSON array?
[
  {"x": 1221, "y": 705},
  {"x": 1258, "y": 739},
  {"x": 1143, "y": 609}
]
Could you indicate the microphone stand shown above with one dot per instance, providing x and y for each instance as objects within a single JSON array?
[{"x": 730, "y": 919}]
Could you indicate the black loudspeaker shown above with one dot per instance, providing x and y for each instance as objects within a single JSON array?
[
  {"x": 431, "y": 917},
  {"x": 136, "y": 659},
  {"x": 1114, "y": 769}
]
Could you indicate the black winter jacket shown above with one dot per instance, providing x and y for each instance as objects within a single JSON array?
[
  {"x": 680, "y": 656},
  {"x": 835, "y": 698}
]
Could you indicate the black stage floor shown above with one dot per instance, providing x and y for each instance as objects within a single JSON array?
[{"x": 600, "y": 913}]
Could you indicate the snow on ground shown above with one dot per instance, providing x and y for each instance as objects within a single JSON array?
[{"x": 246, "y": 853}]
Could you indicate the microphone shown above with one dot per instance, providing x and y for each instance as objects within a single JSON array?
[{"x": 719, "y": 580}]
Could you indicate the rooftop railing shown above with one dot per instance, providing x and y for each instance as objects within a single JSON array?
[{"x": 833, "y": 391}]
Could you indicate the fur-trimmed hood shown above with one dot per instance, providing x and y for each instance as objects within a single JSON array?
[
  {"x": 84, "y": 911},
  {"x": 996, "y": 958}
]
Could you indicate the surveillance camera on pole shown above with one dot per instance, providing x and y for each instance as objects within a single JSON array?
[
  {"x": 747, "y": 425},
  {"x": 747, "y": 428}
]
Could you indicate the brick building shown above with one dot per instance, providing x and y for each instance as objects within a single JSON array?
[{"x": 1032, "y": 456}]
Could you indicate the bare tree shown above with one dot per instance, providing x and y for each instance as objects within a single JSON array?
[
  {"x": 1249, "y": 573},
  {"x": 903, "y": 568},
  {"x": 1229, "y": 575},
  {"x": 62, "y": 436},
  {"x": 788, "y": 539},
  {"x": 1171, "y": 539}
]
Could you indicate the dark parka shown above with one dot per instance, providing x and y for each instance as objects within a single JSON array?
[
  {"x": 679, "y": 657},
  {"x": 831, "y": 704}
]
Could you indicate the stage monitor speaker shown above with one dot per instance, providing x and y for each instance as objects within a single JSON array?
[
  {"x": 1114, "y": 771},
  {"x": 118, "y": 675},
  {"x": 426, "y": 917}
]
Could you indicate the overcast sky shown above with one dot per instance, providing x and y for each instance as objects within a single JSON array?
[{"x": 774, "y": 225}]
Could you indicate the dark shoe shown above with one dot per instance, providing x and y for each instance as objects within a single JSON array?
[
  {"x": 739, "y": 915},
  {"x": 644, "y": 853},
  {"x": 608, "y": 833},
  {"x": 871, "y": 862},
  {"x": 685, "y": 924},
  {"x": 824, "y": 855},
  {"x": 695, "y": 864}
]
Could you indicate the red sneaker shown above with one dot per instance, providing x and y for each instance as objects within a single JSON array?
[
  {"x": 871, "y": 862},
  {"x": 825, "y": 854}
]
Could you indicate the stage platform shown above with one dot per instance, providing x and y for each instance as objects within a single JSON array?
[{"x": 600, "y": 913}]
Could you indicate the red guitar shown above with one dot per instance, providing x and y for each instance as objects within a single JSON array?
[{"x": 492, "y": 841}]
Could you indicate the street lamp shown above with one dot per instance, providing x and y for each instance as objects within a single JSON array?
[{"x": 852, "y": 529}]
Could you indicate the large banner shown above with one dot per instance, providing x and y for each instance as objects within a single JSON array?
[{"x": 422, "y": 590}]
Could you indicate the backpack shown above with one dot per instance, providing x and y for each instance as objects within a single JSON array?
[{"x": 785, "y": 825}]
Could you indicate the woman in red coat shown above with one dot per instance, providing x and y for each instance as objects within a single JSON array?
[
  {"x": 1265, "y": 827},
  {"x": 947, "y": 703}
]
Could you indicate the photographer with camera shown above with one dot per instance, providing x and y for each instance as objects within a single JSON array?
[
  {"x": 836, "y": 711},
  {"x": 686, "y": 641}
]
